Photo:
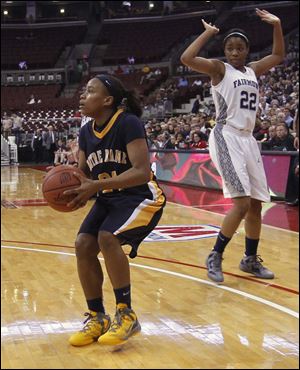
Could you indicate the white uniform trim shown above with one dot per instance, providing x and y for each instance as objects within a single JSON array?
[{"x": 134, "y": 215}]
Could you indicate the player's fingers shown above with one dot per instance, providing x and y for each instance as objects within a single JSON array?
[
  {"x": 75, "y": 206},
  {"x": 79, "y": 176},
  {"x": 70, "y": 192},
  {"x": 49, "y": 168}
]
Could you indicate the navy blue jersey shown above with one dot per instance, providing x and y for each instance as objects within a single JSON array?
[{"x": 106, "y": 151}]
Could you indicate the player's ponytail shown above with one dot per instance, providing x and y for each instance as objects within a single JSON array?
[
  {"x": 131, "y": 102},
  {"x": 126, "y": 99}
]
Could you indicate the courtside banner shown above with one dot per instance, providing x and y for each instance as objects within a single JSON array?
[{"x": 197, "y": 169}]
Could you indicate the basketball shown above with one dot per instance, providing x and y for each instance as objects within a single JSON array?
[{"x": 58, "y": 180}]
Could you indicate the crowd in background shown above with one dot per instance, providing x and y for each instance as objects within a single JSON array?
[
  {"x": 274, "y": 127},
  {"x": 275, "y": 122}
]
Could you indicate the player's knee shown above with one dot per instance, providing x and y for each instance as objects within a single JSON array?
[
  {"x": 86, "y": 247},
  {"x": 255, "y": 208},
  {"x": 242, "y": 208},
  {"x": 106, "y": 241}
]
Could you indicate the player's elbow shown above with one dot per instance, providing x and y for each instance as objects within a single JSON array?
[
  {"x": 280, "y": 58},
  {"x": 184, "y": 59}
]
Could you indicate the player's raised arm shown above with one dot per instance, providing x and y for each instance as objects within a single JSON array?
[
  {"x": 278, "y": 52},
  {"x": 211, "y": 67}
]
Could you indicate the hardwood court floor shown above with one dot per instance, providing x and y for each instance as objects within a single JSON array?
[{"x": 187, "y": 321}]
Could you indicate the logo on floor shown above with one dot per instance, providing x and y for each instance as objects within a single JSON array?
[{"x": 178, "y": 233}]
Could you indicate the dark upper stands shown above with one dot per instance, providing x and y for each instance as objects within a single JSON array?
[
  {"x": 151, "y": 41},
  {"x": 39, "y": 47},
  {"x": 146, "y": 41}
]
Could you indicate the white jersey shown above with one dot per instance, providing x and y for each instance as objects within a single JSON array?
[{"x": 236, "y": 98}]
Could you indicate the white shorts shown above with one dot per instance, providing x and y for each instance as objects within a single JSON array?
[{"x": 238, "y": 160}]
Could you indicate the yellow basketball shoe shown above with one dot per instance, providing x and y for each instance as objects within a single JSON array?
[
  {"x": 96, "y": 324},
  {"x": 124, "y": 325}
]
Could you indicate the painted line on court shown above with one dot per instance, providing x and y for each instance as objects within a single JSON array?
[
  {"x": 177, "y": 274},
  {"x": 175, "y": 262}
]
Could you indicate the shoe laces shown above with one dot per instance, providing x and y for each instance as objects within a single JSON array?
[
  {"x": 121, "y": 315},
  {"x": 217, "y": 260},
  {"x": 257, "y": 260},
  {"x": 89, "y": 321}
]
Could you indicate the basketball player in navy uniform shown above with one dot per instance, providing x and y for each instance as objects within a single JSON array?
[
  {"x": 232, "y": 147},
  {"x": 129, "y": 204}
]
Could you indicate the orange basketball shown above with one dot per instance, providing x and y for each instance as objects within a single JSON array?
[{"x": 57, "y": 180}]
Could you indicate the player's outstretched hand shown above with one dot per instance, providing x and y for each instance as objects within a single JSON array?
[
  {"x": 210, "y": 27},
  {"x": 267, "y": 17}
]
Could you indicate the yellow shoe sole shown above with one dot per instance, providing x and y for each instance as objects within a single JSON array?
[{"x": 117, "y": 341}]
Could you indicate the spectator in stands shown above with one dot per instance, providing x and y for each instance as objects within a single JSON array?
[
  {"x": 264, "y": 107},
  {"x": 152, "y": 141},
  {"x": 280, "y": 117},
  {"x": 161, "y": 141},
  {"x": 17, "y": 127},
  {"x": 271, "y": 140},
  {"x": 49, "y": 143},
  {"x": 181, "y": 142},
  {"x": 197, "y": 86},
  {"x": 198, "y": 129},
  {"x": 285, "y": 141},
  {"x": 197, "y": 142},
  {"x": 186, "y": 130},
  {"x": 70, "y": 72},
  {"x": 79, "y": 70},
  {"x": 170, "y": 128},
  {"x": 85, "y": 67},
  {"x": 233, "y": 85},
  {"x": 157, "y": 129},
  {"x": 168, "y": 105},
  {"x": 37, "y": 146},
  {"x": 263, "y": 131},
  {"x": 60, "y": 155},
  {"x": 292, "y": 189},
  {"x": 7, "y": 124},
  {"x": 148, "y": 130},
  {"x": 172, "y": 143},
  {"x": 257, "y": 126},
  {"x": 183, "y": 82},
  {"x": 72, "y": 153},
  {"x": 196, "y": 104},
  {"x": 296, "y": 125},
  {"x": 288, "y": 119}
]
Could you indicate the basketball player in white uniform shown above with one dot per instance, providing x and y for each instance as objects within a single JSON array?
[{"x": 232, "y": 147}]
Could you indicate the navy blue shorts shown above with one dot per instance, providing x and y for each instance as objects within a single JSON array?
[{"x": 129, "y": 217}]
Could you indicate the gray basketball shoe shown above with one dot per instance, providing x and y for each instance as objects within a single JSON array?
[
  {"x": 252, "y": 264},
  {"x": 214, "y": 266}
]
